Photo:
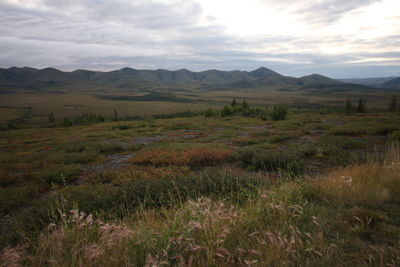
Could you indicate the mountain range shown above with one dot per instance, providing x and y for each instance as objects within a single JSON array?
[{"x": 134, "y": 79}]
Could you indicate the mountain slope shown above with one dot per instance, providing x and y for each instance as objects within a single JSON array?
[
  {"x": 372, "y": 82},
  {"x": 314, "y": 79},
  {"x": 132, "y": 79},
  {"x": 392, "y": 84}
]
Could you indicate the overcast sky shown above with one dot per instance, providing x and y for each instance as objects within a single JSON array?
[{"x": 337, "y": 38}]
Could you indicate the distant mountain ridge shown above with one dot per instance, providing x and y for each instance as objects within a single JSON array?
[
  {"x": 128, "y": 78},
  {"x": 380, "y": 82}
]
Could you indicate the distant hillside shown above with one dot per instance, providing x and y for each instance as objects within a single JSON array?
[
  {"x": 392, "y": 84},
  {"x": 372, "y": 82},
  {"x": 318, "y": 79},
  {"x": 128, "y": 79}
]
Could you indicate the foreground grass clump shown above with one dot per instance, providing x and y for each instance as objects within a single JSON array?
[{"x": 113, "y": 200}]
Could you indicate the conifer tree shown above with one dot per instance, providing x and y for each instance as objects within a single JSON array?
[
  {"x": 360, "y": 107},
  {"x": 349, "y": 106},
  {"x": 393, "y": 104},
  {"x": 244, "y": 104},
  {"x": 51, "y": 118},
  {"x": 115, "y": 115},
  {"x": 234, "y": 103}
]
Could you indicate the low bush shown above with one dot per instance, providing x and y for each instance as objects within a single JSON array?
[
  {"x": 307, "y": 150},
  {"x": 102, "y": 177},
  {"x": 59, "y": 174},
  {"x": 121, "y": 127},
  {"x": 194, "y": 156},
  {"x": 164, "y": 192},
  {"x": 209, "y": 113},
  {"x": 272, "y": 160},
  {"x": 108, "y": 148},
  {"x": 14, "y": 197},
  {"x": 329, "y": 142},
  {"x": 395, "y": 135},
  {"x": 226, "y": 111},
  {"x": 83, "y": 157},
  {"x": 278, "y": 113},
  {"x": 115, "y": 201}
]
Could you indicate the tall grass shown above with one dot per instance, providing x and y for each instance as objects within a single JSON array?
[{"x": 373, "y": 183}]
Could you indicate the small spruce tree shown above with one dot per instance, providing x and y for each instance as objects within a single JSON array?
[
  {"x": 279, "y": 113},
  {"x": 209, "y": 113},
  {"x": 67, "y": 122},
  {"x": 244, "y": 104},
  {"x": 349, "y": 106},
  {"x": 360, "y": 107},
  {"x": 234, "y": 103},
  {"x": 393, "y": 104},
  {"x": 115, "y": 115},
  {"x": 51, "y": 118},
  {"x": 226, "y": 111}
]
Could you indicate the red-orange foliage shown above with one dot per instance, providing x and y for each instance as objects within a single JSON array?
[{"x": 196, "y": 156}]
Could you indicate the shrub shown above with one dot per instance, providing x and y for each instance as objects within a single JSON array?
[
  {"x": 14, "y": 197},
  {"x": 209, "y": 113},
  {"x": 383, "y": 130},
  {"x": 194, "y": 156},
  {"x": 108, "y": 148},
  {"x": 272, "y": 160},
  {"x": 279, "y": 113},
  {"x": 395, "y": 135},
  {"x": 308, "y": 150},
  {"x": 351, "y": 130},
  {"x": 121, "y": 127},
  {"x": 74, "y": 157},
  {"x": 102, "y": 177},
  {"x": 60, "y": 174},
  {"x": 66, "y": 123},
  {"x": 80, "y": 147},
  {"x": 339, "y": 157},
  {"x": 87, "y": 118},
  {"x": 164, "y": 192},
  {"x": 226, "y": 111},
  {"x": 332, "y": 142}
]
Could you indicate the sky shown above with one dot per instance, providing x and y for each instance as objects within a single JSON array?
[{"x": 336, "y": 38}]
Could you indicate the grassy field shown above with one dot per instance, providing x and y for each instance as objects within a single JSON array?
[
  {"x": 70, "y": 102},
  {"x": 317, "y": 188}
]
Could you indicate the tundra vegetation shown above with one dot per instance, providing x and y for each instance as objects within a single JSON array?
[{"x": 235, "y": 186}]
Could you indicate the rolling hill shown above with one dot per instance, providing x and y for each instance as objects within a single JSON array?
[
  {"x": 382, "y": 82},
  {"x": 392, "y": 84},
  {"x": 50, "y": 79}
]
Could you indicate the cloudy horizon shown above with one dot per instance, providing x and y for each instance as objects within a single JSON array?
[{"x": 336, "y": 38}]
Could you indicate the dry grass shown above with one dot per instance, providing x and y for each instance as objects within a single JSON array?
[{"x": 372, "y": 183}]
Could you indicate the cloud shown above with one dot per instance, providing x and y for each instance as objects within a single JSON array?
[
  {"x": 176, "y": 34},
  {"x": 317, "y": 11}
]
